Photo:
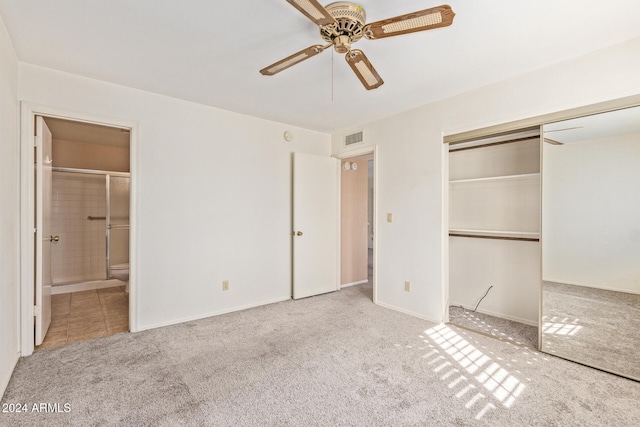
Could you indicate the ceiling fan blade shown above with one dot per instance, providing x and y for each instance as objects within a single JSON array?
[
  {"x": 428, "y": 19},
  {"x": 363, "y": 69},
  {"x": 292, "y": 60},
  {"x": 314, "y": 11}
]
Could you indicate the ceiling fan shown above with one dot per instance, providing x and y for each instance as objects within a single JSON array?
[{"x": 343, "y": 23}]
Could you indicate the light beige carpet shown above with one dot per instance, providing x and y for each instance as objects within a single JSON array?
[{"x": 330, "y": 360}]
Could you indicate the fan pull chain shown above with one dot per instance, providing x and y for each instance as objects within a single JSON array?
[{"x": 332, "y": 75}]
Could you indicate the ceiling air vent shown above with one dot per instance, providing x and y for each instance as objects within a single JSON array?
[{"x": 354, "y": 138}]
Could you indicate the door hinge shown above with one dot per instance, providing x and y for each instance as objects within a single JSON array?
[
  {"x": 35, "y": 230},
  {"x": 37, "y": 310},
  {"x": 37, "y": 140}
]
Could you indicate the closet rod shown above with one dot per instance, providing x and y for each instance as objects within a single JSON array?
[
  {"x": 522, "y": 239},
  {"x": 91, "y": 171},
  {"x": 528, "y": 138}
]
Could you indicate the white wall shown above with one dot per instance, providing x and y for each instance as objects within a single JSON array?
[
  {"x": 411, "y": 159},
  {"x": 213, "y": 196},
  {"x": 9, "y": 214},
  {"x": 591, "y": 229}
]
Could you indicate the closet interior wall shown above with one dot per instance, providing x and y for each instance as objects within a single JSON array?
[{"x": 494, "y": 225}]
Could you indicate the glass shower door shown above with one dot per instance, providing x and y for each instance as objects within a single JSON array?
[
  {"x": 118, "y": 225},
  {"x": 78, "y": 217}
]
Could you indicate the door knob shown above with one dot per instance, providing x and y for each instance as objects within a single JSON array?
[
  {"x": 299, "y": 233},
  {"x": 54, "y": 238}
]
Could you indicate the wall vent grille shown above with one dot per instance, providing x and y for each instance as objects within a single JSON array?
[{"x": 354, "y": 138}]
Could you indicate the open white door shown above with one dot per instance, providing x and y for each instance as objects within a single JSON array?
[
  {"x": 315, "y": 225},
  {"x": 44, "y": 237}
]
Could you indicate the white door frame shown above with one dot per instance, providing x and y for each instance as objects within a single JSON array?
[
  {"x": 372, "y": 149},
  {"x": 28, "y": 111}
]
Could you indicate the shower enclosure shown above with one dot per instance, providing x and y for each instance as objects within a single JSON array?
[{"x": 90, "y": 214}]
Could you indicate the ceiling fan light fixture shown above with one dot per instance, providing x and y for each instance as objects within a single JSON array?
[
  {"x": 343, "y": 23},
  {"x": 347, "y": 9},
  {"x": 342, "y": 44},
  {"x": 349, "y": 20}
]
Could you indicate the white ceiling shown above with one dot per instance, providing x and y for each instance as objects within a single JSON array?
[{"x": 210, "y": 51}]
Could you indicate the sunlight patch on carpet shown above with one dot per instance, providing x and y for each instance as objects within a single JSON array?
[{"x": 485, "y": 372}]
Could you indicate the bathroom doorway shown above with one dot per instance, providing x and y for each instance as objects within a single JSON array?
[{"x": 89, "y": 222}]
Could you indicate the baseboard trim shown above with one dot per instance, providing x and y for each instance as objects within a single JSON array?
[
  {"x": 5, "y": 380},
  {"x": 360, "y": 282},
  {"x": 85, "y": 286},
  {"x": 409, "y": 312},
  {"x": 211, "y": 314},
  {"x": 587, "y": 285},
  {"x": 496, "y": 314}
]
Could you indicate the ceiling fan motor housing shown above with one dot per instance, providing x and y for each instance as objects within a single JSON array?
[{"x": 350, "y": 18}]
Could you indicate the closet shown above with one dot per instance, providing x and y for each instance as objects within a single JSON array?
[{"x": 494, "y": 225}]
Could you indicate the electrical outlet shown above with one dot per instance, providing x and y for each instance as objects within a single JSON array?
[
  {"x": 225, "y": 285},
  {"x": 407, "y": 286}
]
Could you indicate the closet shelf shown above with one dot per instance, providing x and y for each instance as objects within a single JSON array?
[
  {"x": 497, "y": 178},
  {"x": 495, "y": 234}
]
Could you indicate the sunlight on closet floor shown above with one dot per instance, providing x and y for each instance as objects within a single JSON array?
[
  {"x": 498, "y": 327},
  {"x": 79, "y": 316}
]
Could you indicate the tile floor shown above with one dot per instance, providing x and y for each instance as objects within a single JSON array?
[{"x": 79, "y": 316}]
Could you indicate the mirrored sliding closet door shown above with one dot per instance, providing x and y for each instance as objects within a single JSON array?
[{"x": 590, "y": 309}]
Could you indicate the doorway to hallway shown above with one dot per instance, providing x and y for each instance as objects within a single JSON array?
[{"x": 357, "y": 221}]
